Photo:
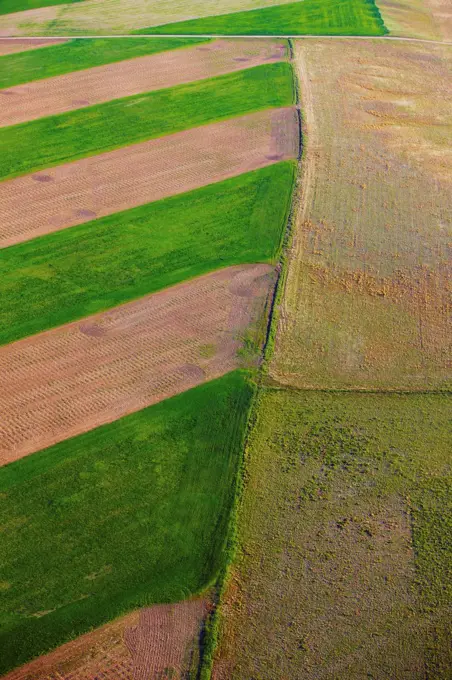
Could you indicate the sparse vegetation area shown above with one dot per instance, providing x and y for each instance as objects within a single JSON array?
[
  {"x": 329, "y": 577},
  {"x": 310, "y": 17},
  {"x": 126, "y": 515},
  {"x": 46, "y": 282}
]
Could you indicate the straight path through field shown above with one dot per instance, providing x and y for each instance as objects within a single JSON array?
[
  {"x": 93, "y": 187},
  {"x": 100, "y": 84},
  {"x": 74, "y": 378}
]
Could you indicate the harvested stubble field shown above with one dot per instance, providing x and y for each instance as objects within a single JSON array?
[
  {"x": 74, "y": 378},
  {"x": 150, "y": 643},
  {"x": 141, "y": 74},
  {"x": 343, "y": 569},
  {"x": 90, "y": 188},
  {"x": 127, "y": 515},
  {"x": 427, "y": 19},
  {"x": 109, "y": 17},
  {"x": 53, "y": 140},
  {"x": 367, "y": 300},
  {"x": 45, "y": 283}
]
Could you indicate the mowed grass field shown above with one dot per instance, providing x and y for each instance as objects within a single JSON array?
[
  {"x": 47, "y": 281},
  {"x": 78, "y": 54},
  {"x": 127, "y": 515},
  {"x": 310, "y": 17},
  {"x": 344, "y": 540},
  {"x": 58, "y": 139}
]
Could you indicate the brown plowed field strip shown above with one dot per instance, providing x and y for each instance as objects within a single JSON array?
[
  {"x": 125, "y": 78},
  {"x": 74, "y": 378},
  {"x": 78, "y": 192},
  {"x": 139, "y": 646},
  {"x": 8, "y": 46}
]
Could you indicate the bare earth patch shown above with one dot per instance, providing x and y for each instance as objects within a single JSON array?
[
  {"x": 78, "y": 192},
  {"x": 79, "y": 89},
  {"x": 74, "y": 378},
  {"x": 145, "y": 645},
  {"x": 113, "y": 17},
  {"x": 10, "y": 46},
  {"x": 367, "y": 299}
]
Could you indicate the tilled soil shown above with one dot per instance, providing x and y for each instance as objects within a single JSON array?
[
  {"x": 139, "y": 646},
  {"x": 76, "y": 377},
  {"x": 10, "y": 46},
  {"x": 133, "y": 76},
  {"x": 78, "y": 192}
]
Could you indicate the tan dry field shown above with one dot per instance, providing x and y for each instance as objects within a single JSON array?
[
  {"x": 104, "y": 17},
  {"x": 100, "y": 84},
  {"x": 83, "y": 190},
  {"x": 139, "y": 646},
  {"x": 367, "y": 299},
  {"x": 84, "y": 374},
  {"x": 427, "y": 19},
  {"x": 8, "y": 46}
]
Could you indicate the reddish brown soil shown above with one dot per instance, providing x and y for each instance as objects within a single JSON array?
[
  {"x": 133, "y": 76},
  {"x": 74, "y": 378},
  {"x": 140, "y": 646},
  {"x": 78, "y": 192},
  {"x": 11, "y": 45}
]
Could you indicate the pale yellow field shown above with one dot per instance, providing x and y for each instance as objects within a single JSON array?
[
  {"x": 428, "y": 19},
  {"x": 105, "y": 17},
  {"x": 367, "y": 300}
]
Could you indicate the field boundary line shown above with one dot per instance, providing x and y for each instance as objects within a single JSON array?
[
  {"x": 224, "y": 36},
  {"x": 213, "y": 626}
]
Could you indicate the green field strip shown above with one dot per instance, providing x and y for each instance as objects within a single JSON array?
[
  {"x": 92, "y": 130},
  {"x": 126, "y": 515},
  {"x": 78, "y": 55},
  {"x": 309, "y": 17},
  {"x": 73, "y": 273},
  {"x": 11, "y": 6}
]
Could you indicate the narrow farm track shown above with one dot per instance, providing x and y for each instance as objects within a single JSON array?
[
  {"x": 74, "y": 378},
  {"x": 137, "y": 646},
  {"x": 100, "y": 84},
  {"x": 78, "y": 192}
]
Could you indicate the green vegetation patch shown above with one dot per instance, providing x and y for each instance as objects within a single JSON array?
[
  {"x": 85, "y": 269},
  {"x": 344, "y": 535},
  {"x": 127, "y": 515},
  {"x": 10, "y": 6},
  {"x": 78, "y": 55},
  {"x": 310, "y": 17},
  {"x": 58, "y": 139}
]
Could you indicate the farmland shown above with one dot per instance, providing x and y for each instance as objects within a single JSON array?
[
  {"x": 230, "y": 17},
  {"x": 139, "y": 249},
  {"x": 330, "y": 579},
  {"x": 225, "y": 340},
  {"x": 366, "y": 303},
  {"x": 126, "y": 515}
]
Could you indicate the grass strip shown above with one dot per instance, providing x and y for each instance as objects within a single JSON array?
[
  {"x": 78, "y": 55},
  {"x": 10, "y": 6},
  {"x": 79, "y": 271},
  {"x": 58, "y": 139},
  {"x": 129, "y": 514},
  {"x": 310, "y": 17}
]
